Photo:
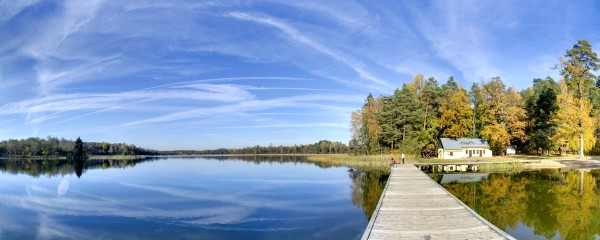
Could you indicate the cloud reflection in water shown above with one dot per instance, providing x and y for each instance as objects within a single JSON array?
[{"x": 91, "y": 207}]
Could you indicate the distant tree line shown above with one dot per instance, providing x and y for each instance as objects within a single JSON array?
[
  {"x": 538, "y": 120},
  {"x": 321, "y": 147},
  {"x": 52, "y": 146}
]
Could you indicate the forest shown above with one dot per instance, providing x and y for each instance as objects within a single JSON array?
[
  {"x": 52, "y": 146},
  {"x": 321, "y": 147},
  {"x": 537, "y": 120}
]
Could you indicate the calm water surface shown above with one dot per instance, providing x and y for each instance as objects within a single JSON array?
[
  {"x": 543, "y": 204},
  {"x": 185, "y": 198}
]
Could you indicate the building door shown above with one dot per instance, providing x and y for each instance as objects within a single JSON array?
[
  {"x": 470, "y": 153},
  {"x": 480, "y": 153}
]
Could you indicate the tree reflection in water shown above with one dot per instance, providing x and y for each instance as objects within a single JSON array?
[
  {"x": 367, "y": 186},
  {"x": 548, "y": 201},
  {"x": 61, "y": 167}
]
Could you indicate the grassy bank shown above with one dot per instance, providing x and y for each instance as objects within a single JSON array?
[
  {"x": 369, "y": 161},
  {"x": 378, "y": 161}
]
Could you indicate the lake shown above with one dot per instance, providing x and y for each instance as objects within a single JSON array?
[
  {"x": 541, "y": 204},
  {"x": 186, "y": 198}
]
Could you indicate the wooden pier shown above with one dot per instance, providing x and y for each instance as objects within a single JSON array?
[{"x": 412, "y": 206}]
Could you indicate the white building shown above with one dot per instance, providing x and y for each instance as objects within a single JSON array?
[
  {"x": 453, "y": 148},
  {"x": 511, "y": 150}
]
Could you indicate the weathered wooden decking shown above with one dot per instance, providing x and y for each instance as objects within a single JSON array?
[{"x": 413, "y": 206}]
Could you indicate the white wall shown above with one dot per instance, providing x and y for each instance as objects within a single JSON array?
[
  {"x": 511, "y": 151},
  {"x": 446, "y": 155}
]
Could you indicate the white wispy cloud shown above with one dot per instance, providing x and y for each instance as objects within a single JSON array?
[
  {"x": 59, "y": 27},
  {"x": 248, "y": 87},
  {"x": 296, "y": 35},
  {"x": 52, "y": 45},
  {"x": 103, "y": 110},
  {"x": 60, "y": 103},
  {"x": 304, "y": 125},
  {"x": 301, "y": 101},
  {"x": 338, "y": 11},
  {"x": 7, "y": 225},
  {"x": 457, "y": 36},
  {"x": 9, "y": 9}
]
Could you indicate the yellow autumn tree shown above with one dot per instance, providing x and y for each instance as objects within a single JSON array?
[
  {"x": 416, "y": 86},
  {"x": 502, "y": 115},
  {"x": 577, "y": 68},
  {"x": 572, "y": 119},
  {"x": 514, "y": 115},
  {"x": 356, "y": 129},
  {"x": 457, "y": 115},
  {"x": 497, "y": 135},
  {"x": 370, "y": 125},
  {"x": 492, "y": 110}
]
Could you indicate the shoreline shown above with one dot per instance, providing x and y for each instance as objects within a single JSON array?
[
  {"x": 511, "y": 163},
  {"x": 566, "y": 163}
]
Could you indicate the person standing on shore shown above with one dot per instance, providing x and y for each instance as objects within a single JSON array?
[{"x": 402, "y": 158}]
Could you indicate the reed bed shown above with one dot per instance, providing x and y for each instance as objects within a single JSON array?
[{"x": 360, "y": 161}]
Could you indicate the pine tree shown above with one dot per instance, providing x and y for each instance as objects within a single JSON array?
[
  {"x": 476, "y": 97},
  {"x": 541, "y": 106},
  {"x": 78, "y": 152},
  {"x": 401, "y": 118}
]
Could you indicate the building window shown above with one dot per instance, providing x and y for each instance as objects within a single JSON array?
[
  {"x": 483, "y": 151},
  {"x": 466, "y": 151},
  {"x": 451, "y": 154}
]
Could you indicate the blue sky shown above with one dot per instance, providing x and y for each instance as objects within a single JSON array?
[{"x": 208, "y": 74}]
